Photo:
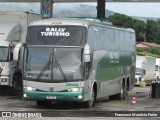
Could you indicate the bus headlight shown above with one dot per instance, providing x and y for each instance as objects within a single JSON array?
[
  {"x": 29, "y": 88},
  {"x": 80, "y": 96},
  {"x": 24, "y": 95},
  {"x": 75, "y": 89}
]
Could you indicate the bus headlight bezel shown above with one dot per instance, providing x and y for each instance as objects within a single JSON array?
[
  {"x": 75, "y": 89},
  {"x": 29, "y": 88}
]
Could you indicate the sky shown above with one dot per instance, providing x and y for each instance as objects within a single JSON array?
[
  {"x": 142, "y": 9},
  {"x": 136, "y": 9}
]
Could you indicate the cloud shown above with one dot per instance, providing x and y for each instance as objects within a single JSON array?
[
  {"x": 59, "y": 10},
  {"x": 77, "y": 10},
  {"x": 143, "y": 9},
  {"x": 20, "y": 7}
]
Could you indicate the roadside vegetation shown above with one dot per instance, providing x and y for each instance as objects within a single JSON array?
[
  {"x": 148, "y": 31},
  {"x": 155, "y": 52},
  {"x": 145, "y": 31}
]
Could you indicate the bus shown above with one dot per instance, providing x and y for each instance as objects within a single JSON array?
[{"x": 77, "y": 60}]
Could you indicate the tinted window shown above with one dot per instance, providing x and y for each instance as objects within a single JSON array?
[{"x": 56, "y": 35}]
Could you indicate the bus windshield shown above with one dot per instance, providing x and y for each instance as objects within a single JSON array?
[
  {"x": 3, "y": 54},
  {"x": 56, "y": 35},
  {"x": 51, "y": 64}
]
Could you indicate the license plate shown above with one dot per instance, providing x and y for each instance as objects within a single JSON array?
[{"x": 51, "y": 97}]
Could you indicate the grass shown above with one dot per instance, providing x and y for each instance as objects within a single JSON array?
[
  {"x": 147, "y": 54},
  {"x": 153, "y": 51}
]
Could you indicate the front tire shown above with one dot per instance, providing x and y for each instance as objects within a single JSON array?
[
  {"x": 40, "y": 103},
  {"x": 90, "y": 103}
]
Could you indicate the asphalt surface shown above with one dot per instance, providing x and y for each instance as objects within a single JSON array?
[{"x": 103, "y": 109}]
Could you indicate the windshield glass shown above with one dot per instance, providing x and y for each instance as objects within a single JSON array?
[
  {"x": 56, "y": 35},
  {"x": 3, "y": 54},
  {"x": 139, "y": 71},
  {"x": 51, "y": 64},
  {"x": 156, "y": 68}
]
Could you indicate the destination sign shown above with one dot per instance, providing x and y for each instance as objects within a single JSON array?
[{"x": 55, "y": 32}]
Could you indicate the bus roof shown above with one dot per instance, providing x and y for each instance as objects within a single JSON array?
[{"x": 77, "y": 21}]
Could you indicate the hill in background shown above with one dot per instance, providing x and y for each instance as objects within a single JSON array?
[{"x": 87, "y": 11}]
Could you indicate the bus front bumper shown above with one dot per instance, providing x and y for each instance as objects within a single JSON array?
[{"x": 53, "y": 96}]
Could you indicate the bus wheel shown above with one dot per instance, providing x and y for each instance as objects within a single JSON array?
[
  {"x": 90, "y": 103},
  {"x": 112, "y": 97},
  {"x": 40, "y": 103}
]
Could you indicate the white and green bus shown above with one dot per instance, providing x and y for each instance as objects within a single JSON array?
[{"x": 77, "y": 60}]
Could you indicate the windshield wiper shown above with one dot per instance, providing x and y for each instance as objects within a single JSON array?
[
  {"x": 44, "y": 68},
  {"x": 60, "y": 68}
]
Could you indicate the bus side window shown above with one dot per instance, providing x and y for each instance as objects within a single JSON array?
[
  {"x": 132, "y": 37},
  {"x": 91, "y": 38},
  {"x": 122, "y": 41},
  {"x": 116, "y": 39},
  {"x": 127, "y": 41},
  {"x": 97, "y": 38},
  {"x": 110, "y": 39}
]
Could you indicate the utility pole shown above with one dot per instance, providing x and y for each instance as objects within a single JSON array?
[{"x": 101, "y": 9}]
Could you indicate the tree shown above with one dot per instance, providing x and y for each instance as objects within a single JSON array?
[
  {"x": 152, "y": 31},
  {"x": 121, "y": 20},
  {"x": 125, "y": 21},
  {"x": 140, "y": 28}
]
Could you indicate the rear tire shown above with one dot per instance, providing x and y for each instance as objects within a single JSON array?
[
  {"x": 112, "y": 97},
  {"x": 122, "y": 94}
]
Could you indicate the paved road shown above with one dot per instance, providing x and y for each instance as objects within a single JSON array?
[{"x": 144, "y": 103}]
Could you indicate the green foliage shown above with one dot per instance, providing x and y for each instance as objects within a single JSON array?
[
  {"x": 152, "y": 31},
  {"x": 154, "y": 51},
  {"x": 121, "y": 20},
  {"x": 147, "y": 54},
  {"x": 149, "y": 31},
  {"x": 150, "y": 52},
  {"x": 140, "y": 28},
  {"x": 140, "y": 50}
]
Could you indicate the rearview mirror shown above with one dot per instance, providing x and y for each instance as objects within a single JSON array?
[
  {"x": 16, "y": 51},
  {"x": 86, "y": 53}
]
